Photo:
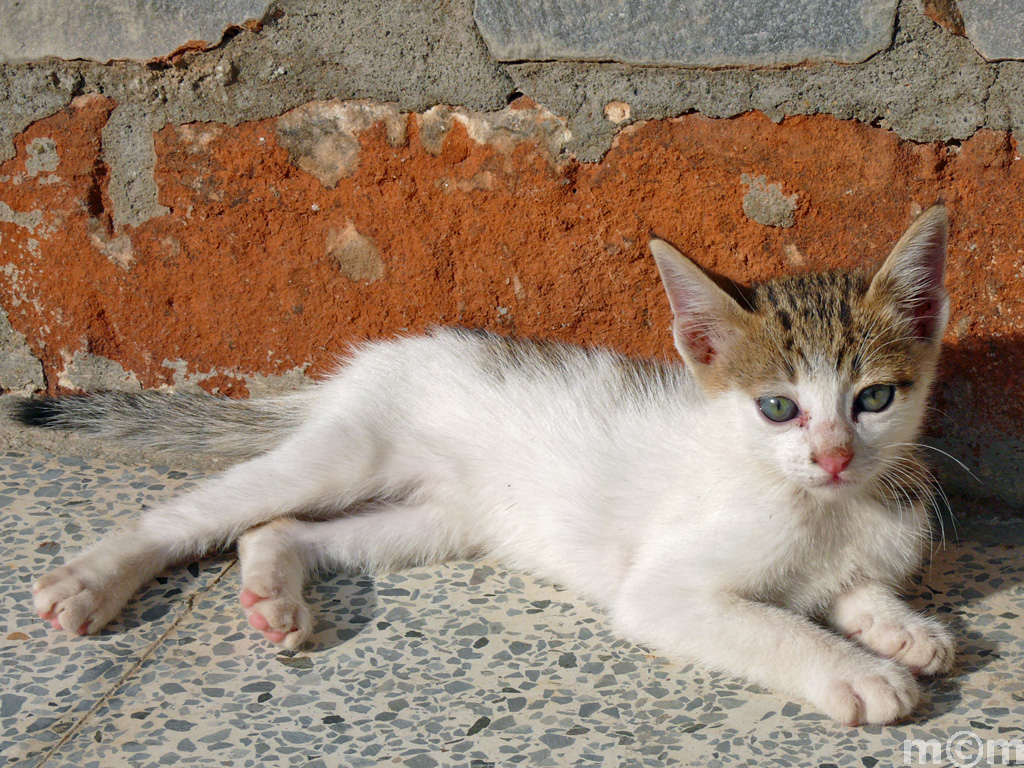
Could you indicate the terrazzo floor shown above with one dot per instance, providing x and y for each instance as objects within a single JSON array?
[{"x": 464, "y": 664}]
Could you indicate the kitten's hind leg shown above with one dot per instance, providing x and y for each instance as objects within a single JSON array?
[
  {"x": 84, "y": 595},
  {"x": 276, "y": 558},
  {"x": 876, "y": 618},
  {"x": 274, "y": 567}
]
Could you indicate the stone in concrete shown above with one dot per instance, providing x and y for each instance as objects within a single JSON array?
[
  {"x": 43, "y": 157},
  {"x": 694, "y": 33},
  {"x": 617, "y": 111},
  {"x": 117, "y": 29},
  {"x": 995, "y": 27}
]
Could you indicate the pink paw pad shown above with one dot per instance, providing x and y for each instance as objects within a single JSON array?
[{"x": 248, "y": 599}]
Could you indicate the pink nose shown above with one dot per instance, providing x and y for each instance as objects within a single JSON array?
[{"x": 834, "y": 463}]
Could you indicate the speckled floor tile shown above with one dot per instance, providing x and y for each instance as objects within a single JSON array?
[
  {"x": 461, "y": 664},
  {"x": 51, "y": 506}
]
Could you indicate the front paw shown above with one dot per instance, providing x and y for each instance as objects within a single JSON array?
[
  {"x": 876, "y": 692},
  {"x": 922, "y": 644}
]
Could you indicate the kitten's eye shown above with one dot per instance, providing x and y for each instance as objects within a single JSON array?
[
  {"x": 874, "y": 398},
  {"x": 778, "y": 408}
]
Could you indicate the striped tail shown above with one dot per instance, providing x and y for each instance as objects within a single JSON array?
[{"x": 191, "y": 423}]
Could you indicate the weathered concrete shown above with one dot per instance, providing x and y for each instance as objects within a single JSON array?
[
  {"x": 693, "y": 33},
  {"x": 416, "y": 54},
  {"x": 929, "y": 85},
  {"x": 85, "y": 371},
  {"x": 117, "y": 29},
  {"x": 766, "y": 203}
]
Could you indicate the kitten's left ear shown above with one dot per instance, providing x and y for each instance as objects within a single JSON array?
[{"x": 913, "y": 276}]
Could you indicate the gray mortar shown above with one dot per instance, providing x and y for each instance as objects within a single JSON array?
[
  {"x": 766, "y": 204},
  {"x": 129, "y": 152},
  {"x": 929, "y": 86},
  {"x": 30, "y": 92}
]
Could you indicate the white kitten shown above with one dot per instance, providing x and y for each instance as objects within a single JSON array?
[{"x": 724, "y": 510}]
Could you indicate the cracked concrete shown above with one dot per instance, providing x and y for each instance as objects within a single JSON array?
[
  {"x": 928, "y": 85},
  {"x": 413, "y": 54}
]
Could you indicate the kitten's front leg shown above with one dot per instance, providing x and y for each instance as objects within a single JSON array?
[
  {"x": 768, "y": 645},
  {"x": 875, "y": 617}
]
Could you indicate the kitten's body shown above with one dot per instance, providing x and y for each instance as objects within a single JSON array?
[{"x": 657, "y": 491}]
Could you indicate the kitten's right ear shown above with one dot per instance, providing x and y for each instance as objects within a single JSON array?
[
  {"x": 913, "y": 275},
  {"x": 706, "y": 320}
]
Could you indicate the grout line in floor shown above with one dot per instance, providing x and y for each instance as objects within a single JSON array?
[{"x": 189, "y": 603}]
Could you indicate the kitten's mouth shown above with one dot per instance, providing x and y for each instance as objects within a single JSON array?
[{"x": 834, "y": 484}]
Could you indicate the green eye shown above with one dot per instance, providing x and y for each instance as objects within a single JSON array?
[
  {"x": 874, "y": 398},
  {"x": 777, "y": 408}
]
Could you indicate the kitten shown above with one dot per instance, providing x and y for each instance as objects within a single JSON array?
[{"x": 754, "y": 508}]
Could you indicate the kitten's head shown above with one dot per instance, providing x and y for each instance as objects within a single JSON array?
[{"x": 826, "y": 373}]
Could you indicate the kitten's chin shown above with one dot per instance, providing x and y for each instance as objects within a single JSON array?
[{"x": 833, "y": 488}]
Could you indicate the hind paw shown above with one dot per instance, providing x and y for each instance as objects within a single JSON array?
[
  {"x": 272, "y": 577},
  {"x": 283, "y": 620},
  {"x": 77, "y": 600}
]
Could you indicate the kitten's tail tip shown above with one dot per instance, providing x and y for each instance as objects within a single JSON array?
[{"x": 33, "y": 412}]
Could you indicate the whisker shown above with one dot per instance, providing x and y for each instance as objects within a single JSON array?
[{"x": 949, "y": 456}]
